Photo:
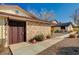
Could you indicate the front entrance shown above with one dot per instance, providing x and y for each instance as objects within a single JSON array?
[
  {"x": 63, "y": 28},
  {"x": 17, "y": 31}
]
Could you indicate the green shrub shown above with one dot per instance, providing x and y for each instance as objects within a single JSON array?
[
  {"x": 72, "y": 36},
  {"x": 56, "y": 31},
  {"x": 52, "y": 31},
  {"x": 39, "y": 37},
  {"x": 78, "y": 36}
]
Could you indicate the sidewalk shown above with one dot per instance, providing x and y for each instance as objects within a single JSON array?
[{"x": 32, "y": 49}]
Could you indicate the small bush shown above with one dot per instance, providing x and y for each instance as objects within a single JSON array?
[
  {"x": 39, "y": 37},
  {"x": 78, "y": 36},
  {"x": 48, "y": 36},
  {"x": 57, "y": 31},
  {"x": 72, "y": 36},
  {"x": 52, "y": 31}
]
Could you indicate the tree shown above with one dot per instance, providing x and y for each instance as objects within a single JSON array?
[
  {"x": 43, "y": 14},
  {"x": 76, "y": 17}
]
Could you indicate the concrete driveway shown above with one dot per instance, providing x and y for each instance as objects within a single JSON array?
[{"x": 32, "y": 49}]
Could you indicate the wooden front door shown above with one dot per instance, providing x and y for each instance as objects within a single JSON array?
[{"x": 17, "y": 32}]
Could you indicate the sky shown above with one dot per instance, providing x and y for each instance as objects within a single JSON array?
[{"x": 62, "y": 11}]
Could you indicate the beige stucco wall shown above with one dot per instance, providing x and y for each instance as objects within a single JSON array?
[
  {"x": 13, "y": 11},
  {"x": 35, "y": 28},
  {"x": 58, "y": 28},
  {"x": 8, "y": 11}
]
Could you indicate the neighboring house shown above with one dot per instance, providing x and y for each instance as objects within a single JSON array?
[
  {"x": 54, "y": 22},
  {"x": 64, "y": 27},
  {"x": 18, "y": 25}
]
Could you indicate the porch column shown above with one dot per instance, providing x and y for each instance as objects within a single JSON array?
[
  {"x": 6, "y": 32},
  {"x": 27, "y": 31},
  {"x": 3, "y": 30}
]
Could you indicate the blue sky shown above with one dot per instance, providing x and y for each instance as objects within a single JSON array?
[{"x": 63, "y": 11}]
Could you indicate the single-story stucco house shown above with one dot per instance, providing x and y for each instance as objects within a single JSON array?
[
  {"x": 64, "y": 27},
  {"x": 53, "y": 28},
  {"x": 18, "y": 25}
]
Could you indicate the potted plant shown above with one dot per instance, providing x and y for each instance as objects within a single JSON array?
[
  {"x": 37, "y": 38},
  {"x": 48, "y": 36},
  {"x": 33, "y": 41}
]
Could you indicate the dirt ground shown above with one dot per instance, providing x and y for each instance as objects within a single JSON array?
[
  {"x": 58, "y": 34},
  {"x": 68, "y": 42},
  {"x": 6, "y": 51}
]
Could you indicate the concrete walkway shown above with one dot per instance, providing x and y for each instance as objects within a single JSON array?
[{"x": 32, "y": 49}]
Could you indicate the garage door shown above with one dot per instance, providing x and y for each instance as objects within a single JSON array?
[{"x": 17, "y": 32}]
